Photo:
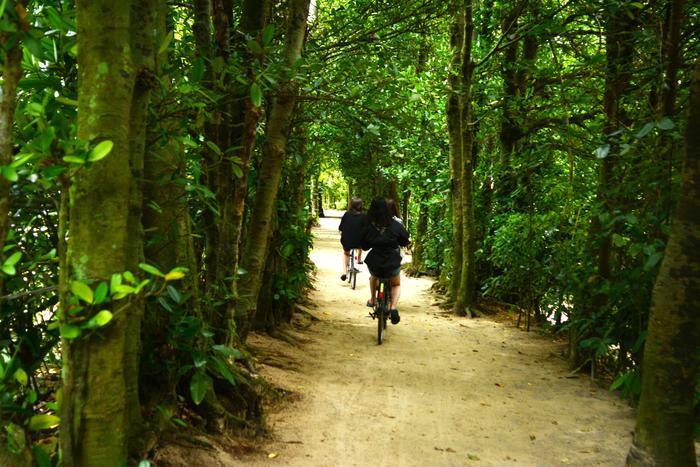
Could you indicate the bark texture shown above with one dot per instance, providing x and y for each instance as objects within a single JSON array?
[
  {"x": 664, "y": 432},
  {"x": 466, "y": 294},
  {"x": 95, "y": 410},
  {"x": 278, "y": 128},
  {"x": 455, "y": 131}
]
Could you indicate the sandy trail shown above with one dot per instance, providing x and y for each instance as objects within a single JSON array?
[{"x": 440, "y": 391}]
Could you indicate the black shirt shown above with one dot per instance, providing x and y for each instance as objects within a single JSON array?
[
  {"x": 385, "y": 257},
  {"x": 351, "y": 227}
]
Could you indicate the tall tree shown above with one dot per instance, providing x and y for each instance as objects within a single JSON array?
[
  {"x": 100, "y": 396},
  {"x": 466, "y": 295},
  {"x": 455, "y": 132},
  {"x": 664, "y": 432},
  {"x": 276, "y": 134}
]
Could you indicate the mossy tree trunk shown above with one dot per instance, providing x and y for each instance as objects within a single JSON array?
[
  {"x": 664, "y": 432},
  {"x": 11, "y": 74},
  {"x": 277, "y": 131},
  {"x": 143, "y": 34},
  {"x": 95, "y": 412},
  {"x": 244, "y": 123},
  {"x": 466, "y": 294},
  {"x": 455, "y": 132}
]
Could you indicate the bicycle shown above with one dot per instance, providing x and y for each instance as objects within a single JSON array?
[
  {"x": 352, "y": 271},
  {"x": 382, "y": 301}
]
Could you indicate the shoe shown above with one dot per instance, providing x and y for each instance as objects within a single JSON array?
[
  {"x": 369, "y": 304},
  {"x": 395, "y": 318},
  {"x": 344, "y": 277}
]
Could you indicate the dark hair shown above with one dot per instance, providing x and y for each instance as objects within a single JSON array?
[
  {"x": 393, "y": 207},
  {"x": 378, "y": 213},
  {"x": 356, "y": 205}
]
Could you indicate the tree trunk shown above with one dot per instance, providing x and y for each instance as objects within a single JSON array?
[
  {"x": 664, "y": 432},
  {"x": 454, "y": 129},
  {"x": 143, "y": 24},
  {"x": 619, "y": 53},
  {"x": 277, "y": 131},
  {"x": 466, "y": 295},
  {"x": 11, "y": 74},
  {"x": 95, "y": 411}
]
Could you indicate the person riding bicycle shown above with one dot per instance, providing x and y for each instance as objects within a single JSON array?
[
  {"x": 351, "y": 227},
  {"x": 384, "y": 235}
]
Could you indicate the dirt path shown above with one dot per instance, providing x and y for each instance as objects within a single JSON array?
[{"x": 440, "y": 391}]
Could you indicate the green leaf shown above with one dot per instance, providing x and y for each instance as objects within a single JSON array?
[
  {"x": 74, "y": 159},
  {"x": 602, "y": 152},
  {"x": 174, "y": 294},
  {"x": 114, "y": 282},
  {"x": 129, "y": 277},
  {"x": 645, "y": 130},
  {"x": 9, "y": 269},
  {"x": 151, "y": 269},
  {"x": 197, "y": 69},
  {"x": 199, "y": 359},
  {"x": 174, "y": 275},
  {"x": 268, "y": 34},
  {"x": 256, "y": 95},
  {"x": 101, "y": 318},
  {"x": 100, "y": 151},
  {"x": 43, "y": 422},
  {"x": 68, "y": 331},
  {"x": 21, "y": 376},
  {"x": 10, "y": 173},
  {"x": 665, "y": 124},
  {"x": 42, "y": 458},
  {"x": 254, "y": 47},
  {"x": 199, "y": 384},
  {"x": 34, "y": 46},
  {"x": 166, "y": 42},
  {"x": 287, "y": 250},
  {"x": 144, "y": 463},
  {"x": 12, "y": 260},
  {"x": 228, "y": 351},
  {"x": 653, "y": 260},
  {"x": 82, "y": 291},
  {"x": 101, "y": 293},
  {"x": 212, "y": 145}
]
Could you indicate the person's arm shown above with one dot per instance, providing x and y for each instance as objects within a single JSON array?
[
  {"x": 366, "y": 242},
  {"x": 401, "y": 234},
  {"x": 342, "y": 220}
]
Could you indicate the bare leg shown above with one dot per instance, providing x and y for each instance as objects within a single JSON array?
[
  {"x": 359, "y": 255},
  {"x": 372, "y": 288},
  {"x": 346, "y": 261},
  {"x": 395, "y": 294}
]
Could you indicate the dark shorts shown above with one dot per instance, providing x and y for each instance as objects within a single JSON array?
[{"x": 391, "y": 274}]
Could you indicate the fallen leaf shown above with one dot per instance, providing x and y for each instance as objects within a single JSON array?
[
  {"x": 498, "y": 384},
  {"x": 565, "y": 460},
  {"x": 450, "y": 450},
  {"x": 272, "y": 455},
  {"x": 474, "y": 457},
  {"x": 533, "y": 437},
  {"x": 438, "y": 449}
]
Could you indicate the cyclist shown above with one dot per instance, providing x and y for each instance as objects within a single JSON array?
[
  {"x": 384, "y": 236},
  {"x": 351, "y": 227}
]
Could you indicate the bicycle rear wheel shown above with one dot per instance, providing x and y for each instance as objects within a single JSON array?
[
  {"x": 353, "y": 278},
  {"x": 382, "y": 311},
  {"x": 381, "y": 324}
]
